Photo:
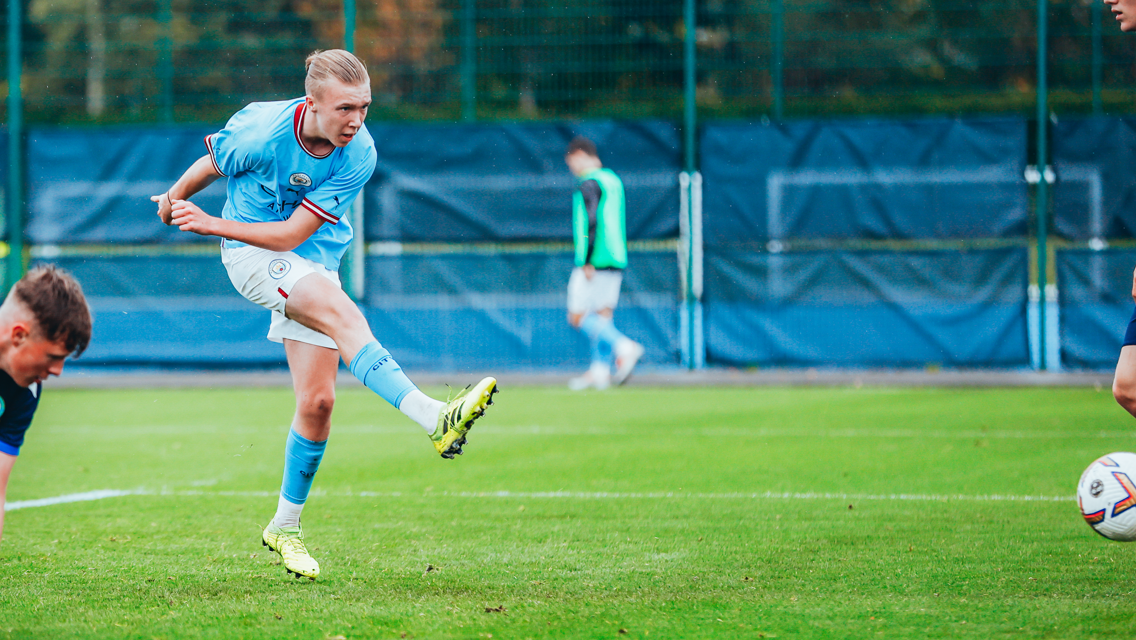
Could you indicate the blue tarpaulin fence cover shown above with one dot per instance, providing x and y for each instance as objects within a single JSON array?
[
  {"x": 818, "y": 187},
  {"x": 841, "y": 180}
]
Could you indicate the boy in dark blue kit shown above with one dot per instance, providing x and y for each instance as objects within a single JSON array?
[{"x": 43, "y": 320}]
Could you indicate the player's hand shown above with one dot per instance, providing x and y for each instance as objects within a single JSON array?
[
  {"x": 1134, "y": 285},
  {"x": 165, "y": 206},
  {"x": 590, "y": 271},
  {"x": 189, "y": 217}
]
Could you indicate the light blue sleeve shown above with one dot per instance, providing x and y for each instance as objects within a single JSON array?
[
  {"x": 239, "y": 146},
  {"x": 330, "y": 200}
]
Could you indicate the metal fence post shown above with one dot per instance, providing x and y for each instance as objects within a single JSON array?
[
  {"x": 692, "y": 344},
  {"x": 15, "y": 202},
  {"x": 165, "y": 60},
  {"x": 1098, "y": 53},
  {"x": 690, "y": 123},
  {"x": 469, "y": 61},
  {"x": 1043, "y": 182},
  {"x": 690, "y": 88},
  {"x": 349, "y": 25},
  {"x": 353, "y": 269},
  {"x": 778, "y": 27}
]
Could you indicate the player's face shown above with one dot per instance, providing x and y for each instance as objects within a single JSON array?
[
  {"x": 340, "y": 110},
  {"x": 33, "y": 358},
  {"x": 1125, "y": 11},
  {"x": 579, "y": 162}
]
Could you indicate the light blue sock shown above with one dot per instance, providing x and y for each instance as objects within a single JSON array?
[
  {"x": 375, "y": 367},
  {"x": 301, "y": 460},
  {"x": 609, "y": 334},
  {"x": 602, "y": 330},
  {"x": 601, "y": 351}
]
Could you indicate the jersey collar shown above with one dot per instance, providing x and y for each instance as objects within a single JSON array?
[{"x": 298, "y": 128}]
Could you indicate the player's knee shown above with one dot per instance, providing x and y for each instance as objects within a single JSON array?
[
  {"x": 1124, "y": 391},
  {"x": 316, "y": 406},
  {"x": 345, "y": 321}
]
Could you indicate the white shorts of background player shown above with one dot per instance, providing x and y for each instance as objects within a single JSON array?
[{"x": 601, "y": 292}]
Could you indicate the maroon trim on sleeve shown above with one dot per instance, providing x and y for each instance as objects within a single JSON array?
[
  {"x": 212, "y": 155},
  {"x": 318, "y": 212}
]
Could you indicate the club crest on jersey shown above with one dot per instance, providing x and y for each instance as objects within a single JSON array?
[
  {"x": 299, "y": 180},
  {"x": 278, "y": 268}
]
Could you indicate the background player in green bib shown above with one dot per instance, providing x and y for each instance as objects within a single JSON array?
[
  {"x": 43, "y": 320},
  {"x": 600, "y": 235}
]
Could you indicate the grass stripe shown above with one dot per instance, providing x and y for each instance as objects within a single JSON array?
[
  {"x": 541, "y": 495},
  {"x": 600, "y": 431}
]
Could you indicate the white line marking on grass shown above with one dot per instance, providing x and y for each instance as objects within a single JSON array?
[
  {"x": 734, "y": 432},
  {"x": 767, "y": 495},
  {"x": 601, "y": 431},
  {"x": 71, "y": 497},
  {"x": 569, "y": 495}
]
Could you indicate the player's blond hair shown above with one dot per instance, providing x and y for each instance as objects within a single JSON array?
[{"x": 335, "y": 64}]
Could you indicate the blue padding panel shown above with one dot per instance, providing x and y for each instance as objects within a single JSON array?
[
  {"x": 434, "y": 313},
  {"x": 929, "y": 178},
  {"x": 507, "y": 311},
  {"x": 94, "y": 185},
  {"x": 1095, "y": 193},
  {"x": 1095, "y": 304},
  {"x": 208, "y": 332},
  {"x": 447, "y": 183},
  {"x": 170, "y": 310},
  {"x": 866, "y": 308},
  {"x": 489, "y": 182}
]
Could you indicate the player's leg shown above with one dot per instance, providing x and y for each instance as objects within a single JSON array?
[
  {"x": 1124, "y": 383},
  {"x": 320, "y": 313},
  {"x": 604, "y": 295},
  {"x": 321, "y": 305},
  {"x": 580, "y": 312},
  {"x": 313, "y": 378}
]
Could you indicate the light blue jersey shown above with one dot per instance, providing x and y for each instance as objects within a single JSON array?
[{"x": 272, "y": 174}]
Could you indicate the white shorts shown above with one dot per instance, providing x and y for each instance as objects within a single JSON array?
[
  {"x": 266, "y": 278},
  {"x": 601, "y": 292}
]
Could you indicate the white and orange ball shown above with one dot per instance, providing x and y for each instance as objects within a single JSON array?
[{"x": 1107, "y": 496}]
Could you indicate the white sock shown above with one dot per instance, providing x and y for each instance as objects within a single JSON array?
[
  {"x": 422, "y": 409},
  {"x": 287, "y": 514}
]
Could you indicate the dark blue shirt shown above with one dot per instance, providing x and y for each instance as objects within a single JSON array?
[{"x": 17, "y": 406}]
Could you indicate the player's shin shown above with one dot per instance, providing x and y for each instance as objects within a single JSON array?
[
  {"x": 376, "y": 369},
  {"x": 301, "y": 461},
  {"x": 608, "y": 333},
  {"x": 601, "y": 352}
]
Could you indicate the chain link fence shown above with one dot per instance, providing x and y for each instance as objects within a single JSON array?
[{"x": 106, "y": 61}]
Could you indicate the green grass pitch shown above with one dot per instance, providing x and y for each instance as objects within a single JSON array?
[{"x": 634, "y": 513}]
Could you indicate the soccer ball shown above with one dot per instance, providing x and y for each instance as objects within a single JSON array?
[{"x": 1107, "y": 496}]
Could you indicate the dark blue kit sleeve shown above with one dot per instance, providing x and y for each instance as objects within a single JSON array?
[{"x": 1130, "y": 334}]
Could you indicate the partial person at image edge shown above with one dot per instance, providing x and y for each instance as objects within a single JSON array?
[{"x": 44, "y": 320}]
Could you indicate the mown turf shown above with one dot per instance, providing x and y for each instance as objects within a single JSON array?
[{"x": 635, "y": 513}]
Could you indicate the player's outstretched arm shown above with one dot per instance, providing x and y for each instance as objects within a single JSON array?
[
  {"x": 198, "y": 176},
  {"x": 6, "y": 462},
  {"x": 283, "y": 235}
]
